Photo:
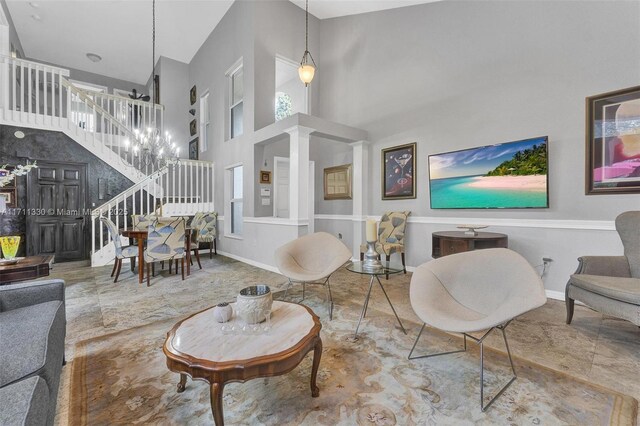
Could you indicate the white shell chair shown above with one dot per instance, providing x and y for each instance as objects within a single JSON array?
[
  {"x": 312, "y": 259},
  {"x": 475, "y": 291}
]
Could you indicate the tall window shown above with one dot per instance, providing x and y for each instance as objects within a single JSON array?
[
  {"x": 205, "y": 122},
  {"x": 236, "y": 95},
  {"x": 236, "y": 200}
]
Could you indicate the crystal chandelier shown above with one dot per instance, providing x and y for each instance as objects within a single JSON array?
[{"x": 150, "y": 146}]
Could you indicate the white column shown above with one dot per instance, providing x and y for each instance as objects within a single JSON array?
[
  {"x": 299, "y": 172},
  {"x": 360, "y": 192}
]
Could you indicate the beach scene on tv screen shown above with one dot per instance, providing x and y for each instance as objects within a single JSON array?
[{"x": 508, "y": 175}]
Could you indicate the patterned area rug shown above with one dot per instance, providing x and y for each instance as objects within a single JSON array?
[{"x": 122, "y": 378}]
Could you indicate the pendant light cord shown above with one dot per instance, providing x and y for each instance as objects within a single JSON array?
[{"x": 306, "y": 26}]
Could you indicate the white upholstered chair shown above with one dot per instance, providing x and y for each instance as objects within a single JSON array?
[
  {"x": 312, "y": 259},
  {"x": 475, "y": 291}
]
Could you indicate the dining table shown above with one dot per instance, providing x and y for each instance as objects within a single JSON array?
[{"x": 140, "y": 235}]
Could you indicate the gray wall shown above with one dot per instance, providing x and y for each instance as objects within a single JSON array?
[
  {"x": 174, "y": 95},
  {"x": 453, "y": 75},
  {"x": 42, "y": 145}
]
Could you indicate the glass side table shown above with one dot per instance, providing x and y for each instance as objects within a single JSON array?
[{"x": 387, "y": 268}]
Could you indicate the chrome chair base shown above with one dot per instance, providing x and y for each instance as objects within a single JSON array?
[
  {"x": 304, "y": 287},
  {"x": 480, "y": 342}
]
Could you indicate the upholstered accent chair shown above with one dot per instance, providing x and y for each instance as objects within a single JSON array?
[
  {"x": 141, "y": 222},
  {"x": 205, "y": 226},
  {"x": 610, "y": 284},
  {"x": 390, "y": 236},
  {"x": 476, "y": 291},
  {"x": 312, "y": 259},
  {"x": 128, "y": 252},
  {"x": 165, "y": 241}
]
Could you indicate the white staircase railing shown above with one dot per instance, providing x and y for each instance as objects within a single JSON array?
[
  {"x": 182, "y": 189},
  {"x": 134, "y": 114},
  {"x": 39, "y": 95}
]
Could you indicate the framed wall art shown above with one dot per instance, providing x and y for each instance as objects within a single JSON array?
[
  {"x": 337, "y": 182},
  {"x": 193, "y": 95},
  {"x": 9, "y": 195},
  {"x": 613, "y": 142},
  {"x": 398, "y": 172},
  {"x": 193, "y": 127},
  {"x": 193, "y": 149},
  {"x": 265, "y": 177}
]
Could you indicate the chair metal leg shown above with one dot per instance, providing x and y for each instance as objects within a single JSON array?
[
  {"x": 330, "y": 299},
  {"x": 480, "y": 341},
  {"x": 286, "y": 290},
  {"x": 304, "y": 288},
  {"x": 436, "y": 354}
]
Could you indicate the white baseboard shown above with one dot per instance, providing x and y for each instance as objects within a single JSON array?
[
  {"x": 556, "y": 295},
  {"x": 250, "y": 262}
]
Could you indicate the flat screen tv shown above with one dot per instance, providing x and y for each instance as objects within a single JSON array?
[{"x": 510, "y": 175}]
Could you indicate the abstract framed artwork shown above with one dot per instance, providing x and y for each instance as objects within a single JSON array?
[
  {"x": 337, "y": 183},
  {"x": 265, "y": 177},
  {"x": 398, "y": 172},
  {"x": 193, "y": 127},
  {"x": 193, "y": 149},
  {"x": 613, "y": 142}
]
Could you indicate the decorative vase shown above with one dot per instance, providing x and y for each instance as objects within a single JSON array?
[
  {"x": 254, "y": 303},
  {"x": 9, "y": 246},
  {"x": 222, "y": 312},
  {"x": 371, "y": 258}
]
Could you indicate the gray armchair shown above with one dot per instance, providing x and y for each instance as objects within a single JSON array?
[
  {"x": 32, "y": 334},
  {"x": 610, "y": 284}
]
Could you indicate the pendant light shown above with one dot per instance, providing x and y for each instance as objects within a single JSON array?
[{"x": 307, "y": 69}]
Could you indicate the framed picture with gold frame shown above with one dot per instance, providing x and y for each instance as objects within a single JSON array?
[
  {"x": 265, "y": 177},
  {"x": 399, "y": 172},
  {"x": 337, "y": 182}
]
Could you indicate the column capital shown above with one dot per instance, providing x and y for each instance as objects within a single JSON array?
[
  {"x": 359, "y": 143},
  {"x": 300, "y": 130}
]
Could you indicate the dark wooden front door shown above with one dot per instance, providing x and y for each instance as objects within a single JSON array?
[{"x": 56, "y": 207}]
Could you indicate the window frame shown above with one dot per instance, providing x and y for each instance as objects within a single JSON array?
[
  {"x": 231, "y": 72},
  {"x": 229, "y": 190},
  {"x": 205, "y": 120}
]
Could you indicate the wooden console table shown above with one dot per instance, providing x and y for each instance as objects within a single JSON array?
[
  {"x": 451, "y": 242},
  {"x": 29, "y": 268}
]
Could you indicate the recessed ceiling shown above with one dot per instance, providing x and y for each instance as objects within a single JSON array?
[
  {"x": 324, "y": 9},
  {"x": 117, "y": 30}
]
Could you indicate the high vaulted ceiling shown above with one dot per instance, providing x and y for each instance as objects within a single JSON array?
[{"x": 63, "y": 32}]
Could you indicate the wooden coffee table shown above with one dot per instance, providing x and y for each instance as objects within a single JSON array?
[
  {"x": 28, "y": 268},
  {"x": 198, "y": 348}
]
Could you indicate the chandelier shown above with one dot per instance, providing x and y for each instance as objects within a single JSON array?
[
  {"x": 150, "y": 147},
  {"x": 307, "y": 69}
]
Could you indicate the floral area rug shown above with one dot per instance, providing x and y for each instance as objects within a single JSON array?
[{"x": 122, "y": 378}]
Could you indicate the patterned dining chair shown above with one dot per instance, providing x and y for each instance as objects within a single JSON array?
[
  {"x": 390, "y": 236},
  {"x": 140, "y": 222},
  {"x": 165, "y": 241},
  {"x": 195, "y": 246},
  {"x": 128, "y": 252},
  {"x": 207, "y": 231}
]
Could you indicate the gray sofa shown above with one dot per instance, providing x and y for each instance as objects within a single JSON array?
[
  {"x": 32, "y": 333},
  {"x": 611, "y": 284}
]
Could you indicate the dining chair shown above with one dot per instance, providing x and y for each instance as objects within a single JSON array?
[
  {"x": 195, "y": 231},
  {"x": 207, "y": 231},
  {"x": 390, "y": 236},
  {"x": 165, "y": 241},
  {"x": 128, "y": 252}
]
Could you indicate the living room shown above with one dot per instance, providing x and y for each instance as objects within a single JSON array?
[{"x": 404, "y": 97}]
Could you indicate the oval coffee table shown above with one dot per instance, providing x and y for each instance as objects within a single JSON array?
[{"x": 198, "y": 348}]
